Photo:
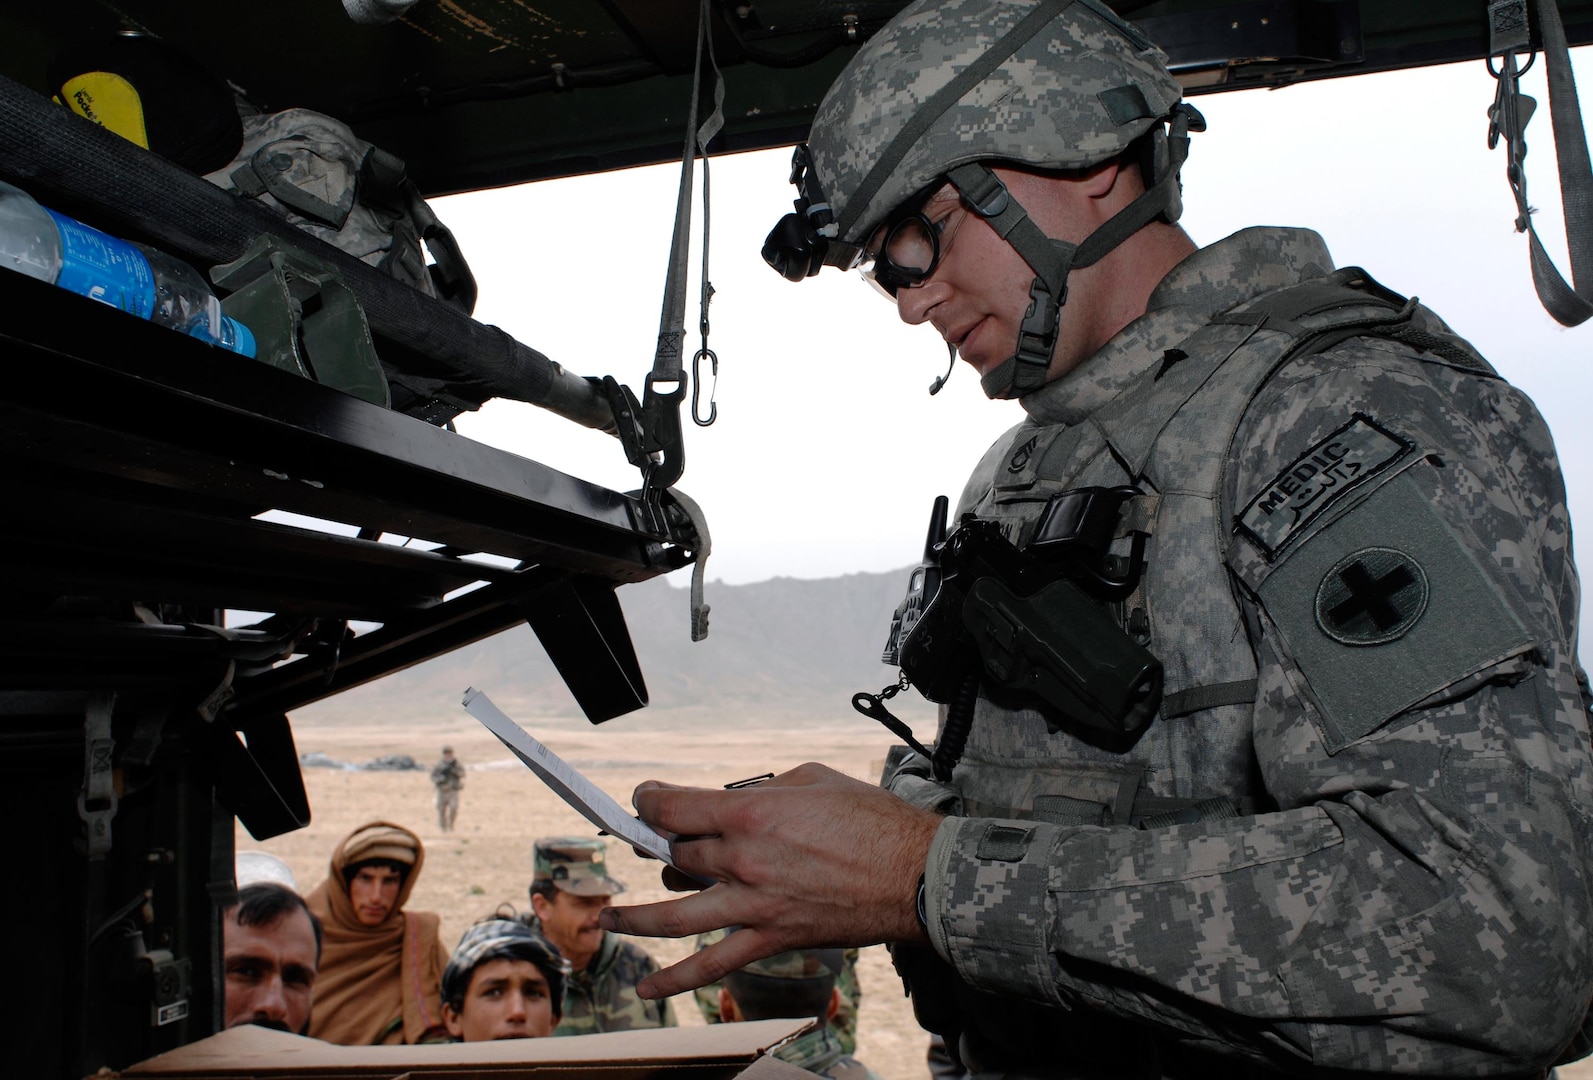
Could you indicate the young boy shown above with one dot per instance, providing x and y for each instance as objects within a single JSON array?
[{"x": 504, "y": 981}]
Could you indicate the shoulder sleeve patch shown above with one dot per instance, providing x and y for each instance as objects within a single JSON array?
[
  {"x": 1318, "y": 479},
  {"x": 1386, "y": 606}
]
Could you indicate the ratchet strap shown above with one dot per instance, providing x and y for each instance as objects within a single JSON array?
[{"x": 1510, "y": 33}]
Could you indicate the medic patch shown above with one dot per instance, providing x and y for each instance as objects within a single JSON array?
[
  {"x": 1317, "y": 479},
  {"x": 1392, "y": 573},
  {"x": 1371, "y": 597}
]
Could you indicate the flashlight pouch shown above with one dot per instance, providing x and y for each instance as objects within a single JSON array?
[{"x": 1038, "y": 625}]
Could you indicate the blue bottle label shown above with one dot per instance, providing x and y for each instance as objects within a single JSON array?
[
  {"x": 238, "y": 337},
  {"x": 225, "y": 331},
  {"x": 103, "y": 268}
]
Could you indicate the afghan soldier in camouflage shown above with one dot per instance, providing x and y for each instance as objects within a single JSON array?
[
  {"x": 843, "y": 1025},
  {"x": 570, "y": 884},
  {"x": 448, "y": 777},
  {"x": 796, "y": 984},
  {"x": 1355, "y": 836}
]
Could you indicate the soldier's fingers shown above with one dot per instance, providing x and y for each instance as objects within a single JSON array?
[
  {"x": 710, "y": 909},
  {"x": 682, "y": 811},
  {"x": 710, "y": 964},
  {"x": 655, "y": 785}
]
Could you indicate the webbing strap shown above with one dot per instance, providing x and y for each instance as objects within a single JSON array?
[
  {"x": 1196, "y": 698},
  {"x": 1218, "y": 808},
  {"x": 666, "y": 383},
  {"x": 1570, "y": 305},
  {"x": 942, "y": 100},
  {"x": 96, "y": 800}
]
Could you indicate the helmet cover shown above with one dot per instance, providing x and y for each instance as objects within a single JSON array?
[{"x": 1068, "y": 91}]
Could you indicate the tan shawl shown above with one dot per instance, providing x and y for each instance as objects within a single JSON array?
[{"x": 372, "y": 976}]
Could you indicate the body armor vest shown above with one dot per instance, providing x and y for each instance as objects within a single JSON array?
[{"x": 1170, "y": 433}]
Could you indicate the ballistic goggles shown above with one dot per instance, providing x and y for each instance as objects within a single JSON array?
[
  {"x": 903, "y": 251},
  {"x": 907, "y": 247}
]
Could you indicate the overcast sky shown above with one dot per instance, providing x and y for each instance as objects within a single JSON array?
[{"x": 828, "y": 449}]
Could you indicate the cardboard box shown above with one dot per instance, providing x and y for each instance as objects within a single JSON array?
[{"x": 699, "y": 1053}]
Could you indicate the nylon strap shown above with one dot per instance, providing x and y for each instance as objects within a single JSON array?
[
  {"x": 941, "y": 101},
  {"x": 1570, "y": 305},
  {"x": 1053, "y": 260},
  {"x": 666, "y": 383},
  {"x": 1196, "y": 698},
  {"x": 96, "y": 800}
]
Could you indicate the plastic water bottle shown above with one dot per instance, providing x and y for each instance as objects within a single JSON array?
[{"x": 148, "y": 283}]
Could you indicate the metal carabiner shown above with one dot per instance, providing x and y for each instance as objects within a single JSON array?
[{"x": 696, "y": 387}]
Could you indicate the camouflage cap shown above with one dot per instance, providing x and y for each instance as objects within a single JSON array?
[
  {"x": 494, "y": 939},
  {"x": 573, "y": 864},
  {"x": 1051, "y": 84},
  {"x": 799, "y": 964}
]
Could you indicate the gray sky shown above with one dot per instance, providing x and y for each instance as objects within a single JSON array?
[{"x": 828, "y": 449}]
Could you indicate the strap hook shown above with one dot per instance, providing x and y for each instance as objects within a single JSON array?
[{"x": 696, "y": 387}]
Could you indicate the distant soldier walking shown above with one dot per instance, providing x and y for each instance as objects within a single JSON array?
[{"x": 447, "y": 776}]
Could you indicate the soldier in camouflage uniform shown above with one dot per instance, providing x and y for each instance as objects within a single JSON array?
[
  {"x": 843, "y": 1024},
  {"x": 570, "y": 884},
  {"x": 448, "y": 777},
  {"x": 796, "y": 984},
  {"x": 1355, "y": 836}
]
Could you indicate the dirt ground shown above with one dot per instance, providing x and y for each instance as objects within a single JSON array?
[{"x": 487, "y": 859}]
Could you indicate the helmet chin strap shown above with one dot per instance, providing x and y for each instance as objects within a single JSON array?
[{"x": 1052, "y": 260}]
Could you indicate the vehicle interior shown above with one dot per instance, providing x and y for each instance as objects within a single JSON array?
[{"x": 147, "y": 483}]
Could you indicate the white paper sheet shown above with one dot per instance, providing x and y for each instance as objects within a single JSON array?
[{"x": 592, "y": 802}]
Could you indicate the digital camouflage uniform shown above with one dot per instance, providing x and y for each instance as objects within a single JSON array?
[
  {"x": 313, "y": 170},
  {"x": 1355, "y": 836},
  {"x": 1369, "y": 638}
]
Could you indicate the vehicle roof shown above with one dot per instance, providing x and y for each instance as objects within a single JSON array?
[{"x": 482, "y": 93}]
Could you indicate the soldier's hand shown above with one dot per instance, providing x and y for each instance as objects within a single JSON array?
[{"x": 811, "y": 858}]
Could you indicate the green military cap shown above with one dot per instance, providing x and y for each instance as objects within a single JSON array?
[
  {"x": 799, "y": 964},
  {"x": 574, "y": 865}
]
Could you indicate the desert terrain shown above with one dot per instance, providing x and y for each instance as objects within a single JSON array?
[{"x": 486, "y": 860}]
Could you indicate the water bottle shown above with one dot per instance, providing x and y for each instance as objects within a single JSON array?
[{"x": 142, "y": 280}]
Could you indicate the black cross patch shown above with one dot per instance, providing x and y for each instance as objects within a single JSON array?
[{"x": 1371, "y": 597}]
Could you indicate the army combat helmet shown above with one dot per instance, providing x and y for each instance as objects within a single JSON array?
[{"x": 949, "y": 88}]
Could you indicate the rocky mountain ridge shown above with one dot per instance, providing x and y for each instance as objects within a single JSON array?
[{"x": 778, "y": 649}]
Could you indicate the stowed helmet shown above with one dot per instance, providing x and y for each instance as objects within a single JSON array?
[{"x": 948, "y": 88}]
